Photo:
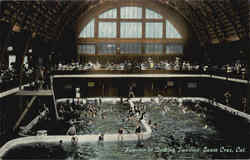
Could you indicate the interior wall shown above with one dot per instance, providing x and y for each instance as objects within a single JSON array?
[
  {"x": 66, "y": 46},
  {"x": 228, "y": 52},
  {"x": 148, "y": 87},
  {"x": 4, "y": 29}
]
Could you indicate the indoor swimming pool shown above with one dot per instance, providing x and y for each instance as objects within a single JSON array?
[{"x": 180, "y": 130}]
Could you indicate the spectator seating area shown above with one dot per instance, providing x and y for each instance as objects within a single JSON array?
[
  {"x": 37, "y": 78},
  {"x": 234, "y": 70},
  {"x": 9, "y": 78}
]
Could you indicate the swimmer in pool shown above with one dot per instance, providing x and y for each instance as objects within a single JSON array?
[
  {"x": 101, "y": 139},
  {"x": 150, "y": 122},
  {"x": 74, "y": 140}
]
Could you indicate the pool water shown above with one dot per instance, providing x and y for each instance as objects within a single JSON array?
[
  {"x": 115, "y": 117},
  {"x": 182, "y": 133}
]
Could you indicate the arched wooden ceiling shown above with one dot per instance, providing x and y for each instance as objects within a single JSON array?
[{"x": 214, "y": 21}]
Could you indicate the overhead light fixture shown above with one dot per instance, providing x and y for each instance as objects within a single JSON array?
[
  {"x": 30, "y": 51},
  {"x": 10, "y": 48}
]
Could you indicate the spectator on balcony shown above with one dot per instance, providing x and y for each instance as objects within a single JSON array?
[
  {"x": 205, "y": 69},
  {"x": 229, "y": 70},
  {"x": 237, "y": 68}
]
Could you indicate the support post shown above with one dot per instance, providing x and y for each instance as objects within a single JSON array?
[
  {"x": 5, "y": 60},
  {"x": 248, "y": 74},
  {"x": 28, "y": 42}
]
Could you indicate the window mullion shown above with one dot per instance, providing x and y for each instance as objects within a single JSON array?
[
  {"x": 96, "y": 27},
  {"x": 96, "y": 33},
  {"x": 118, "y": 22},
  {"x": 143, "y": 30},
  {"x": 118, "y": 30}
]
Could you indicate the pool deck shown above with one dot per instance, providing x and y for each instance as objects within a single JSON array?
[
  {"x": 12, "y": 91},
  {"x": 221, "y": 106}
]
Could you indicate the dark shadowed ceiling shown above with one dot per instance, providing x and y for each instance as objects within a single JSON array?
[{"x": 213, "y": 21}]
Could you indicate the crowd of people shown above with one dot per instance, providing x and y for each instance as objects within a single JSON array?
[
  {"x": 36, "y": 77},
  {"x": 234, "y": 70},
  {"x": 70, "y": 112},
  {"x": 40, "y": 75},
  {"x": 9, "y": 77},
  {"x": 80, "y": 116}
]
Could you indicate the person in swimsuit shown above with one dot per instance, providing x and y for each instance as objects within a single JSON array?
[
  {"x": 120, "y": 134},
  {"x": 74, "y": 140},
  {"x": 72, "y": 130},
  {"x": 101, "y": 139},
  {"x": 131, "y": 93},
  {"x": 155, "y": 126},
  {"x": 150, "y": 122},
  {"x": 138, "y": 132}
]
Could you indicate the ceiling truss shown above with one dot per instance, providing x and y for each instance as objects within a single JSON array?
[{"x": 213, "y": 21}]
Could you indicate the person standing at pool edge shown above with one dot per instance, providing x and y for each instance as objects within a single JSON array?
[
  {"x": 120, "y": 134},
  {"x": 131, "y": 93},
  {"x": 72, "y": 132},
  {"x": 138, "y": 132}
]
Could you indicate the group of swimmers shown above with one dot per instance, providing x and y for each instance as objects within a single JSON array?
[
  {"x": 138, "y": 132},
  {"x": 136, "y": 113},
  {"x": 68, "y": 107}
]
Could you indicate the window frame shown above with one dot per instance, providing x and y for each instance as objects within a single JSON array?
[{"x": 143, "y": 39}]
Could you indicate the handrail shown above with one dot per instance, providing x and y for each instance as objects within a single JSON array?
[{"x": 150, "y": 76}]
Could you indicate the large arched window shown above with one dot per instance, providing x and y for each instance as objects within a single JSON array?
[{"x": 130, "y": 30}]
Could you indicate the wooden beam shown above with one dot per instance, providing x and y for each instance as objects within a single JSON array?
[
  {"x": 241, "y": 8},
  {"x": 117, "y": 41},
  {"x": 24, "y": 112},
  {"x": 130, "y": 20},
  {"x": 228, "y": 11},
  {"x": 218, "y": 18},
  {"x": 198, "y": 17}
]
